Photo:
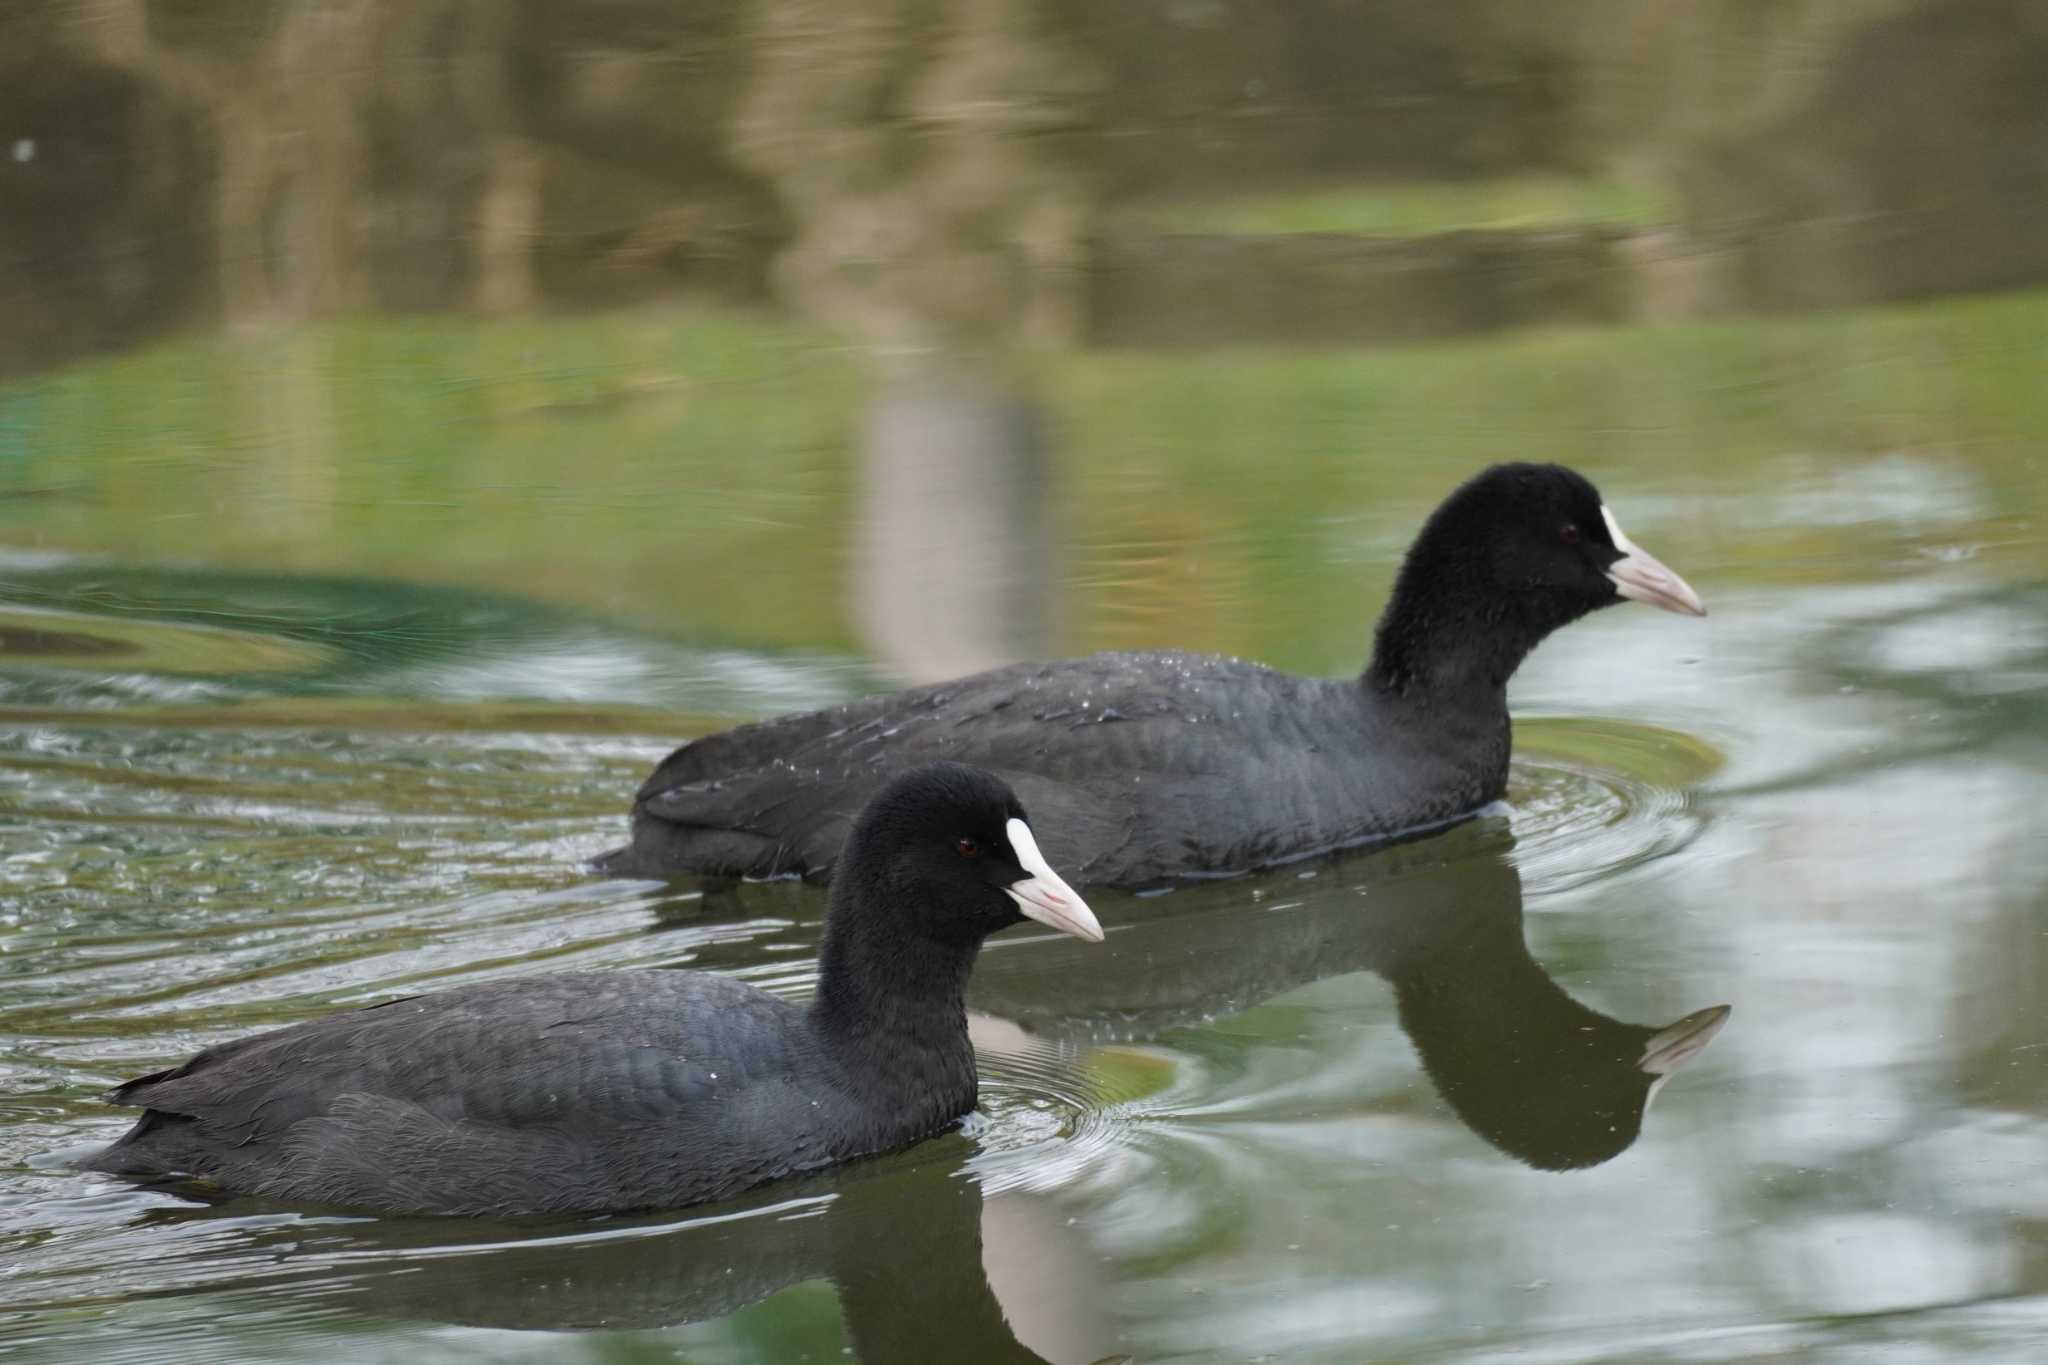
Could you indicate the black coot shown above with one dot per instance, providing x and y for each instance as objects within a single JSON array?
[
  {"x": 623, "y": 1090},
  {"x": 1144, "y": 767}
]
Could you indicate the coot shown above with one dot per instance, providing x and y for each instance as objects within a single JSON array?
[
  {"x": 1145, "y": 767},
  {"x": 608, "y": 1091}
]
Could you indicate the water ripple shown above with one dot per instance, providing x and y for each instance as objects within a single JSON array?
[{"x": 1592, "y": 798}]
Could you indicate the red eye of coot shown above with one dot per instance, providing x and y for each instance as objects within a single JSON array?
[
  {"x": 1569, "y": 535},
  {"x": 968, "y": 848}
]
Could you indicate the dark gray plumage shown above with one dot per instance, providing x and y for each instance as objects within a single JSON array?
[
  {"x": 1144, "y": 767},
  {"x": 625, "y": 1090}
]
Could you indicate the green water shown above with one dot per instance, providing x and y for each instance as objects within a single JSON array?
[
  {"x": 1419, "y": 210},
  {"x": 326, "y": 661}
]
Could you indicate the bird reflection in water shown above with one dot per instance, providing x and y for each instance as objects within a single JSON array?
[
  {"x": 1540, "y": 1076},
  {"x": 901, "y": 1239}
]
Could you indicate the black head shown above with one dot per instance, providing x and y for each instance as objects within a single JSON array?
[
  {"x": 946, "y": 851},
  {"x": 1511, "y": 555}
]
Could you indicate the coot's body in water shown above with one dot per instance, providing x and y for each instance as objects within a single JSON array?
[
  {"x": 1145, "y": 767},
  {"x": 608, "y": 1091}
]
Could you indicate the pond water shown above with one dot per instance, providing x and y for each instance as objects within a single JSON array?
[
  {"x": 1387, "y": 1106},
  {"x": 415, "y": 418}
]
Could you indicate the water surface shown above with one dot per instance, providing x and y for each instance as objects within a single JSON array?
[
  {"x": 415, "y": 420},
  {"x": 1346, "y": 1109}
]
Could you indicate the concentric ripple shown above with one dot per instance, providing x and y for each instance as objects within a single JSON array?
[
  {"x": 1050, "y": 1108},
  {"x": 1588, "y": 799}
]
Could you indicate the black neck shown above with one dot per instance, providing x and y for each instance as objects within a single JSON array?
[
  {"x": 886, "y": 991},
  {"x": 1451, "y": 635}
]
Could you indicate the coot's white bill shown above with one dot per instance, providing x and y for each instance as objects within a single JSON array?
[
  {"x": 1642, "y": 577},
  {"x": 1044, "y": 895}
]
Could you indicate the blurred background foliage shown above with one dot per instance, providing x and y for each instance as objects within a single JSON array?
[{"x": 598, "y": 301}]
